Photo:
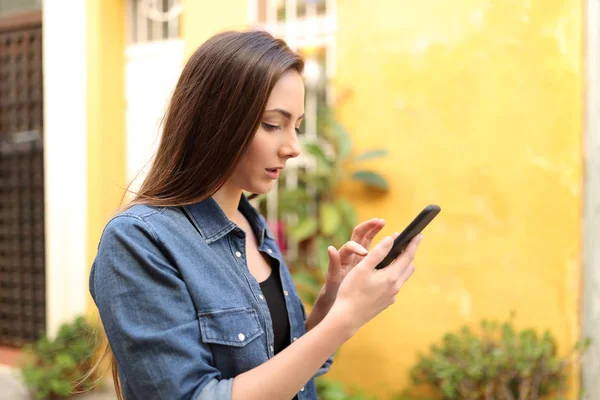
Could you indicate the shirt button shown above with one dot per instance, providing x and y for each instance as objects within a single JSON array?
[
  {"x": 295, "y": 339},
  {"x": 269, "y": 251},
  {"x": 272, "y": 349},
  {"x": 241, "y": 337},
  {"x": 302, "y": 390},
  {"x": 285, "y": 292},
  {"x": 260, "y": 296},
  {"x": 238, "y": 254}
]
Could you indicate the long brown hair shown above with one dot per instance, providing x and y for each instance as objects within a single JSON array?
[{"x": 214, "y": 112}]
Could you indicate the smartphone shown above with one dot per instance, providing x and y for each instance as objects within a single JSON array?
[{"x": 412, "y": 230}]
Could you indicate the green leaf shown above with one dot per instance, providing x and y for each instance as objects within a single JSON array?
[
  {"x": 42, "y": 393},
  {"x": 316, "y": 150},
  {"x": 60, "y": 387},
  {"x": 348, "y": 212},
  {"x": 371, "y": 178},
  {"x": 330, "y": 218},
  {"x": 330, "y": 390},
  {"x": 305, "y": 229},
  {"x": 343, "y": 140},
  {"x": 371, "y": 154},
  {"x": 306, "y": 281},
  {"x": 65, "y": 361},
  {"x": 322, "y": 256},
  {"x": 289, "y": 199}
]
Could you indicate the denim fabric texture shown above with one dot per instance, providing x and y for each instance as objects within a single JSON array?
[{"x": 182, "y": 313}]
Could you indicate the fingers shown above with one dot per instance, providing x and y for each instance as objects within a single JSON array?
[
  {"x": 349, "y": 249},
  {"x": 407, "y": 273},
  {"x": 411, "y": 249},
  {"x": 334, "y": 259},
  {"x": 363, "y": 228},
  {"x": 366, "y": 231},
  {"x": 407, "y": 257},
  {"x": 378, "y": 253}
]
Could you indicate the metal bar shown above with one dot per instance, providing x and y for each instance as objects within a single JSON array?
[
  {"x": 271, "y": 11},
  {"x": 173, "y": 25},
  {"x": 330, "y": 70},
  {"x": 253, "y": 12},
  {"x": 291, "y": 24},
  {"x": 156, "y": 28},
  {"x": 141, "y": 24},
  {"x": 311, "y": 9},
  {"x": 129, "y": 21},
  {"x": 21, "y": 137}
]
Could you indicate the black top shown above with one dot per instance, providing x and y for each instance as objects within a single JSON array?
[{"x": 273, "y": 292}]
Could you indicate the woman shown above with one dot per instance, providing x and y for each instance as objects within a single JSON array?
[{"x": 193, "y": 292}]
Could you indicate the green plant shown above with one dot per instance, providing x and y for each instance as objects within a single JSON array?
[
  {"x": 407, "y": 395},
  {"x": 52, "y": 368},
  {"x": 329, "y": 389},
  {"x": 499, "y": 363},
  {"x": 315, "y": 215}
]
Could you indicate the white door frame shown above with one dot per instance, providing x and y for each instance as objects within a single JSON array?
[
  {"x": 591, "y": 202},
  {"x": 65, "y": 160}
]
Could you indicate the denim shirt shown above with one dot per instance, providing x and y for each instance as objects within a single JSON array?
[{"x": 182, "y": 313}]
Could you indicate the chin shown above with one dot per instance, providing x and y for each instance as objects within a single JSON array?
[{"x": 261, "y": 188}]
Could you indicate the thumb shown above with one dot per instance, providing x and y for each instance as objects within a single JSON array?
[
  {"x": 378, "y": 253},
  {"x": 334, "y": 259}
]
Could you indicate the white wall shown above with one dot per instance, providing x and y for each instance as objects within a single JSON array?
[{"x": 152, "y": 70}]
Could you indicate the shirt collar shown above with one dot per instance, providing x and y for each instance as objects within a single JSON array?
[{"x": 213, "y": 224}]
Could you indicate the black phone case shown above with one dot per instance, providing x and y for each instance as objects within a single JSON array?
[{"x": 412, "y": 230}]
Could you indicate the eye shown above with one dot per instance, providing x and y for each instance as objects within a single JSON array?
[{"x": 270, "y": 127}]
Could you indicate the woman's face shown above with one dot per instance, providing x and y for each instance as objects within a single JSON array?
[{"x": 276, "y": 140}]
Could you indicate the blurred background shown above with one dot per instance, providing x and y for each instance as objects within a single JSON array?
[{"x": 489, "y": 109}]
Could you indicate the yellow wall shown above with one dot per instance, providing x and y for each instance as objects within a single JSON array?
[
  {"x": 106, "y": 116},
  {"x": 479, "y": 104},
  {"x": 202, "y": 19}
]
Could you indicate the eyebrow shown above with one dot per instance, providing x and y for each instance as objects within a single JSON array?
[{"x": 286, "y": 114}]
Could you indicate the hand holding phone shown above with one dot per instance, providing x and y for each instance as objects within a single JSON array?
[{"x": 412, "y": 230}]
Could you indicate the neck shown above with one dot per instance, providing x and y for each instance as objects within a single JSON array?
[{"x": 228, "y": 199}]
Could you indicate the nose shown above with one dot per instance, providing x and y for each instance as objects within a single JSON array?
[{"x": 291, "y": 148}]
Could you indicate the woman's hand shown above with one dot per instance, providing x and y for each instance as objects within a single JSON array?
[
  {"x": 350, "y": 254},
  {"x": 366, "y": 291},
  {"x": 341, "y": 262}
]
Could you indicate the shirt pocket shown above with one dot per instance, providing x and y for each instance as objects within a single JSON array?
[
  {"x": 233, "y": 338},
  {"x": 231, "y": 327}
]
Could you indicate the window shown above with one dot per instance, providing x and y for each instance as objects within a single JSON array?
[
  {"x": 153, "y": 20},
  {"x": 309, "y": 27}
]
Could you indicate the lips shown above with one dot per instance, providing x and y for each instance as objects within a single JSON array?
[{"x": 273, "y": 173}]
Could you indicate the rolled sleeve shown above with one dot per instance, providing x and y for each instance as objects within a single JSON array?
[
  {"x": 150, "y": 319},
  {"x": 325, "y": 368},
  {"x": 216, "y": 389}
]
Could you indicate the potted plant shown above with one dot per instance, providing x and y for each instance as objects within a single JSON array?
[
  {"x": 498, "y": 363},
  {"x": 52, "y": 368}
]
